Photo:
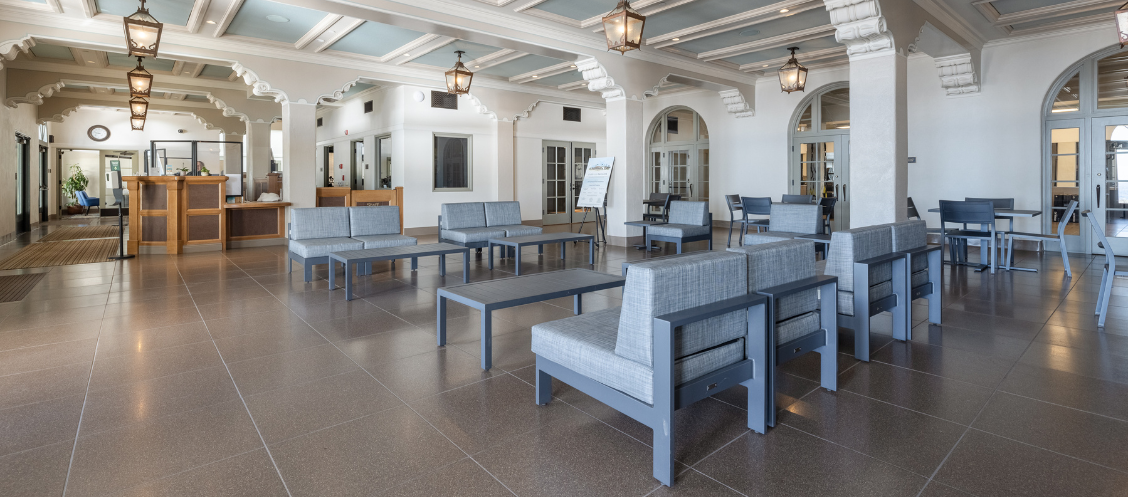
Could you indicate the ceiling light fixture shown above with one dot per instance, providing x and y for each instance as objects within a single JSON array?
[
  {"x": 407, "y": 55},
  {"x": 137, "y": 123},
  {"x": 1122, "y": 24},
  {"x": 210, "y": 21},
  {"x": 138, "y": 107},
  {"x": 573, "y": 66},
  {"x": 623, "y": 28},
  {"x": 784, "y": 11},
  {"x": 319, "y": 40},
  {"x": 458, "y": 78},
  {"x": 140, "y": 81},
  {"x": 142, "y": 33},
  {"x": 677, "y": 39},
  {"x": 793, "y": 76}
]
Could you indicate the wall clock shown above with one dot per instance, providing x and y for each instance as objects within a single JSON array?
[{"x": 98, "y": 133}]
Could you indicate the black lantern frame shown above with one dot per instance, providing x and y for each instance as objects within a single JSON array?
[
  {"x": 793, "y": 76},
  {"x": 140, "y": 81},
  {"x": 140, "y": 26},
  {"x": 138, "y": 107},
  {"x": 458, "y": 75},
  {"x": 623, "y": 28}
]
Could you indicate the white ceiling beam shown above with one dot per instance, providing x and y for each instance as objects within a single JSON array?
[
  {"x": 317, "y": 30},
  {"x": 528, "y": 5},
  {"x": 177, "y": 67},
  {"x": 341, "y": 29},
  {"x": 767, "y": 43},
  {"x": 56, "y": 6},
  {"x": 1052, "y": 11},
  {"x": 825, "y": 53},
  {"x": 549, "y": 16},
  {"x": 497, "y": 3},
  {"x": 553, "y": 70},
  {"x": 497, "y": 58},
  {"x": 228, "y": 16},
  {"x": 408, "y": 48},
  {"x": 197, "y": 70},
  {"x": 575, "y": 85},
  {"x": 735, "y": 21},
  {"x": 642, "y": 6},
  {"x": 425, "y": 48},
  {"x": 233, "y": 76},
  {"x": 89, "y": 8},
  {"x": 72, "y": 70},
  {"x": 196, "y": 18}
]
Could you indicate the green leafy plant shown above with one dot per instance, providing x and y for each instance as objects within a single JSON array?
[
  {"x": 77, "y": 182},
  {"x": 204, "y": 170}
]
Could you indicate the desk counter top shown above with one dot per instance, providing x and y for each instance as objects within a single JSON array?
[{"x": 257, "y": 205}]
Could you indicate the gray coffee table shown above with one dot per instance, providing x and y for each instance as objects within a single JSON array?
[
  {"x": 348, "y": 258},
  {"x": 489, "y": 296},
  {"x": 540, "y": 241},
  {"x": 644, "y": 225}
]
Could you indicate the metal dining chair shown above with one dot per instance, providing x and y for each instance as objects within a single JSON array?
[
  {"x": 999, "y": 203},
  {"x": 1011, "y": 236},
  {"x": 798, "y": 199},
  {"x": 1110, "y": 270},
  {"x": 664, "y": 214},
  {"x": 964, "y": 213},
  {"x": 827, "y": 204},
  {"x": 734, "y": 204},
  {"x": 754, "y": 206}
]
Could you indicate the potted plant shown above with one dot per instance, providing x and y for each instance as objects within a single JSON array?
[
  {"x": 181, "y": 172},
  {"x": 77, "y": 182},
  {"x": 204, "y": 171}
]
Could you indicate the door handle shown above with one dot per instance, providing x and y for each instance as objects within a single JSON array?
[
  {"x": 844, "y": 193},
  {"x": 691, "y": 190},
  {"x": 1098, "y": 196}
]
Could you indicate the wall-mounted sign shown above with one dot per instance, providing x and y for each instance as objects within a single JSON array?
[
  {"x": 596, "y": 181},
  {"x": 115, "y": 165}
]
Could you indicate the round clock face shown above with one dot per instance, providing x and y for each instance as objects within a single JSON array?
[{"x": 98, "y": 133}]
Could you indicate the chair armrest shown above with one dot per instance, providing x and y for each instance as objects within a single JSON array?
[
  {"x": 921, "y": 250},
  {"x": 781, "y": 291},
  {"x": 703, "y": 312},
  {"x": 892, "y": 256}
]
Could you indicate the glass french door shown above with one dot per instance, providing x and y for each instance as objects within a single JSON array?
[
  {"x": 681, "y": 170},
  {"x": 23, "y": 221},
  {"x": 564, "y": 166},
  {"x": 1109, "y": 182},
  {"x": 1069, "y": 180},
  {"x": 820, "y": 167}
]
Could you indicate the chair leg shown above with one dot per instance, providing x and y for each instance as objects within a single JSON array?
[
  {"x": 1065, "y": 259},
  {"x": 761, "y": 388},
  {"x": 308, "y": 268},
  {"x": 289, "y": 265},
  {"x": 544, "y": 388},
  {"x": 664, "y": 445},
  {"x": 679, "y": 247},
  {"x": 730, "y": 234},
  {"x": 1101, "y": 292},
  {"x": 1106, "y": 294},
  {"x": 902, "y": 314},
  {"x": 1007, "y": 248},
  {"x": 862, "y": 337},
  {"x": 710, "y": 243}
]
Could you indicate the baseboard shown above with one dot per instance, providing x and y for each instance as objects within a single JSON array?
[
  {"x": 624, "y": 241},
  {"x": 264, "y": 242}
]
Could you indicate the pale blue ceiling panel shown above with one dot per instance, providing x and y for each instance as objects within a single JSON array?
[
  {"x": 165, "y": 11},
  {"x": 787, "y": 25},
  {"x": 775, "y": 53},
  {"x": 579, "y": 9},
  {"x": 252, "y": 21},
  {"x": 700, "y": 12},
  {"x": 522, "y": 65},
  {"x": 375, "y": 39},
  {"x": 122, "y": 60},
  {"x": 44, "y": 2},
  {"x": 1054, "y": 20},
  {"x": 48, "y": 51},
  {"x": 357, "y": 88},
  {"x": 445, "y": 57},
  {"x": 218, "y": 72},
  {"x": 559, "y": 79}
]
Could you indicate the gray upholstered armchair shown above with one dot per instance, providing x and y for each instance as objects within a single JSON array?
[
  {"x": 315, "y": 232},
  {"x": 667, "y": 347},
  {"x": 688, "y": 222},
  {"x": 924, "y": 262},
  {"x": 788, "y": 221}
]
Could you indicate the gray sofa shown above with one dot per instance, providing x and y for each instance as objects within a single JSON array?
[
  {"x": 687, "y": 222},
  {"x": 788, "y": 221},
  {"x": 316, "y": 232},
  {"x": 472, "y": 224}
]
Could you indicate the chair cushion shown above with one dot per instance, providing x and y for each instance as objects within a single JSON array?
[
  {"x": 918, "y": 278},
  {"x": 691, "y": 213},
  {"x": 503, "y": 213},
  {"x": 678, "y": 230},
  {"x": 384, "y": 241},
  {"x": 908, "y": 235},
  {"x": 775, "y": 264},
  {"x": 375, "y": 220},
  {"x": 322, "y": 247},
  {"x": 319, "y": 222},
  {"x": 797, "y": 327},
  {"x": 668, "y": 285},
  {"x": 796, "y": 218},
  {"x": 463, "y": 215},
  {"x": 878, "y": 291},
  {"x": 518, "y": 229},
  {"x": 768, "y": 237},
  {"x": 469, "y": 235},
  {"x": 859, "y": 244},
  {"x": 586, "y": 344}
]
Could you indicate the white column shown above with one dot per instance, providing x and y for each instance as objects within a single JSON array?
[
  {"x": 258, "y": 155},
  {"x": 299, "y": 122},
  {"x": 370, "y": 161},
  {"x": 505, "y": 160},
  {"x": 625, "y": 142},
  {"x": 878, "y": 184}
]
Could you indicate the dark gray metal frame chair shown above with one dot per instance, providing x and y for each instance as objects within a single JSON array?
[
  {"x": 802, "y": 315},
  {"x": 754, "y": 206},
  {"x": 314, "y": 233},
  {"x": 872, "y": 279},
  {"x": 688, "y": 222},
  {"x": 734, "y": 204},
  {"x": 924, "y": 263},
  {"x": 915, "y": 214},
  {"x": 666, "y": 348},
  {"x": 827, "y": 204},
  {"x": 789, "y": 221},
  {"x": 1108, "y": 274},
  {"x": 466, "y": 225},
  {"x": 981, "y": 212},
  {"x": 664, "y": 215},
  {"x": 798, "y": 199},
  {"x": 1010, "y": 237},
  {"x": 654, "y": 197},
  {"x": 999, "y": 203}
]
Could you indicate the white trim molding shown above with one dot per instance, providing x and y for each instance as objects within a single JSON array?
[
  {"x": 11, "y": 49},
  {"x": 860, "y": 26},
  {"x": 598, "y": 80},
  {"x": 35, "y": 97},
  {"x": 736, "y": 104},
  {"x": 957, "y": 74},
  {"x": 260, "y": 87}
]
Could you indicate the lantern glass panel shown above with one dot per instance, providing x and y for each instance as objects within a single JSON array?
[
  {"x": 458, "y": 78},
  {"x": 623, "y": 28},
  {"x": 140, "y": 82},
  {"x": 142, "y": 33},
  {"x": 138, "y": 107},
  {"x": 137, "y": 123}
]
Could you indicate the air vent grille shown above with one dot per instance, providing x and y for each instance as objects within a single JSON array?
[
  {"x": 572, "y": 114},
  {"x": 367, "y": 106},
  {"x": 444, "y": 100},
  {"x": 319, "y": 122}
]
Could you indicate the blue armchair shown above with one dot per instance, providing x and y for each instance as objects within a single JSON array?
[{"x": 88, "y": 201}]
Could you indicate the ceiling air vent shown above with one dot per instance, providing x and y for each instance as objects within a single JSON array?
[
  {"x": 319, "y": 123},
  {"x": 444, "y": 100},
  {"x": 572, "y": 114},
  {"x": 367, "y": 106}
]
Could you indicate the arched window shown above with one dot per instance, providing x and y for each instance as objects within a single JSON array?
[
  {"x": 820, "y": 149},
  {"x": 679, "y": 154},
  {"x": 1085, "y": 143}
]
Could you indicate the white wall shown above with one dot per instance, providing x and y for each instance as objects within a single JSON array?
[
  {"x": 22, "y": 120},
  {"x": 546, "y": 122},
  {"x": 71, "y": 133},
  {"x": 88, "y": 161}
]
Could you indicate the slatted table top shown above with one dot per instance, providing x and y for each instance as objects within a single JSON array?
[
  {"x": 645, "y": 223},
  {"x": 532, "y": 288},
  {"x": 541, "y": 238},
  {"x": 398, "y": 252}
]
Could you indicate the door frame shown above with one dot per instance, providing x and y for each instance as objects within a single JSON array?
[
  {"x": 44, "y": 180},
  {"x": 1096, "y": 168},
  {"x": 570, "y": 181},
  {"x": 1082, "y": 241},
  {"x": 841, "y": 180},
  {"x": 23, "y": 170}
]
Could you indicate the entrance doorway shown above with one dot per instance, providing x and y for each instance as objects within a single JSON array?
[
  {"x": 43, "y": 180},
  {"x": 820, "y": 150},
  {"x": 327, "y": 176},
  {"x": 23, "y": 169},
  {"x": 355, "y": 178},
  {"x": 679, "y": 155},
  {"x": 564, "y": 166}
]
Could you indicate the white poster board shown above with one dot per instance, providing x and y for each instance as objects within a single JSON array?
[{"x": 596, "y": 180}]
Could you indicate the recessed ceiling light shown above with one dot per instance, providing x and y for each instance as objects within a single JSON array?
[
  {"x": 535, "y": 76},
  {"x": 784, "y": 11},
  {"x": 211, "y": 22},
  {"x": 573, "y": 66},
  {"x": 407, "y": 55},
  {"x": 750, "y": 32},
  {"x": 765, "y": 65},
  {"x": 676, "y": 39},
  {"x": 475, "y": 67},
  {"x": 276, "y": 18}
]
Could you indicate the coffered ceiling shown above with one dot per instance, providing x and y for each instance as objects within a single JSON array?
[{"x": 995, "y": 19}]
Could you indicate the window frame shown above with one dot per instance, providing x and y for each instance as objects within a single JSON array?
[{"x": 469, "y": 162}]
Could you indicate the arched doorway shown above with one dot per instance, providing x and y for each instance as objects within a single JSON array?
[
  {"x": 819, "y": 162},
  {"x": 679, "y": 154},
  {"x": 1085, "y": 150}
]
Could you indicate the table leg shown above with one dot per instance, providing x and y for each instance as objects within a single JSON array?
[
  {"x": 442, "y": 265},
  {"x": 466, "y": 267},
  {"x": 517, "y": 261},
  {"x": 562, "y": 244},
  {"x": 414, "y": 263},
  {"x": 540, "y": 248},
  {"x": 489, "y": 247},
  {"x": 487, "y": 339},
  {"x": 441, "y": 325},
  {"x": 332, "y": 265},
  {"x": 348, "y": 282},
  {"x": 591, "y": 251},
  {"x": 578, "y": 304}
]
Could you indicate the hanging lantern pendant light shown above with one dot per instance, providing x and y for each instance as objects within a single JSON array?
[
  {"x": 138, "y": 107},
  {"x": 140, "y": 81},
  {"x": 137, "y": 123},
  {"x": 142, "y": 33},
  {"x": 623, "y": 28},
  {"x": 1122, "y": 24},
  {"x": 458, "y": 77},
  {"x": 793, "y": 76}
]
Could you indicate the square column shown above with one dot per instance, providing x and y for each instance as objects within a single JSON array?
[
  {"x": 258, "y": 155},
  {"x": 299, "y": 183},
  {"x": 505, "y": 160},
  {"x": 626, "y": 142},
  {"x": 878, "y": 185}
]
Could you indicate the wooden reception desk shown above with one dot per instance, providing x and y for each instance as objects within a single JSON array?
[
  {"x": 252, "y": 224},
  {"x": 171, "y": 214},
  {"x": 336, "y": 196}
]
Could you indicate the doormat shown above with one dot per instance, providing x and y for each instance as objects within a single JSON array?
[
  {"x": 81, "y": 233},
  {"x": 15, "y": 288},
  {"x": 62, "y": 254}
]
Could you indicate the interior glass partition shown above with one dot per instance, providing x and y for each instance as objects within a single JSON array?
[{"x": 192, "y": 157}]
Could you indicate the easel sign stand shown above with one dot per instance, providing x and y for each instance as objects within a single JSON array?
[
  {"x": 119, "y": 198},
  {"x": 593, "y": 193}
]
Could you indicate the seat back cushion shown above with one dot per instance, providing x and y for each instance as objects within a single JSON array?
[
  {"x": 503, "y": 213},
  {"x": 908, "y": 235},
  {"x": 859, "y": 244},
  {"x": 376, "y": 220},
  {"x": 319, "y": 222},
  {"x": 691, "y": 213},
  {"x": 779, "y": 263},
  {"x": 664, "y": 286},
  {"x": 796, "y": 218},
  {"x": 463, "y": 215}
]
